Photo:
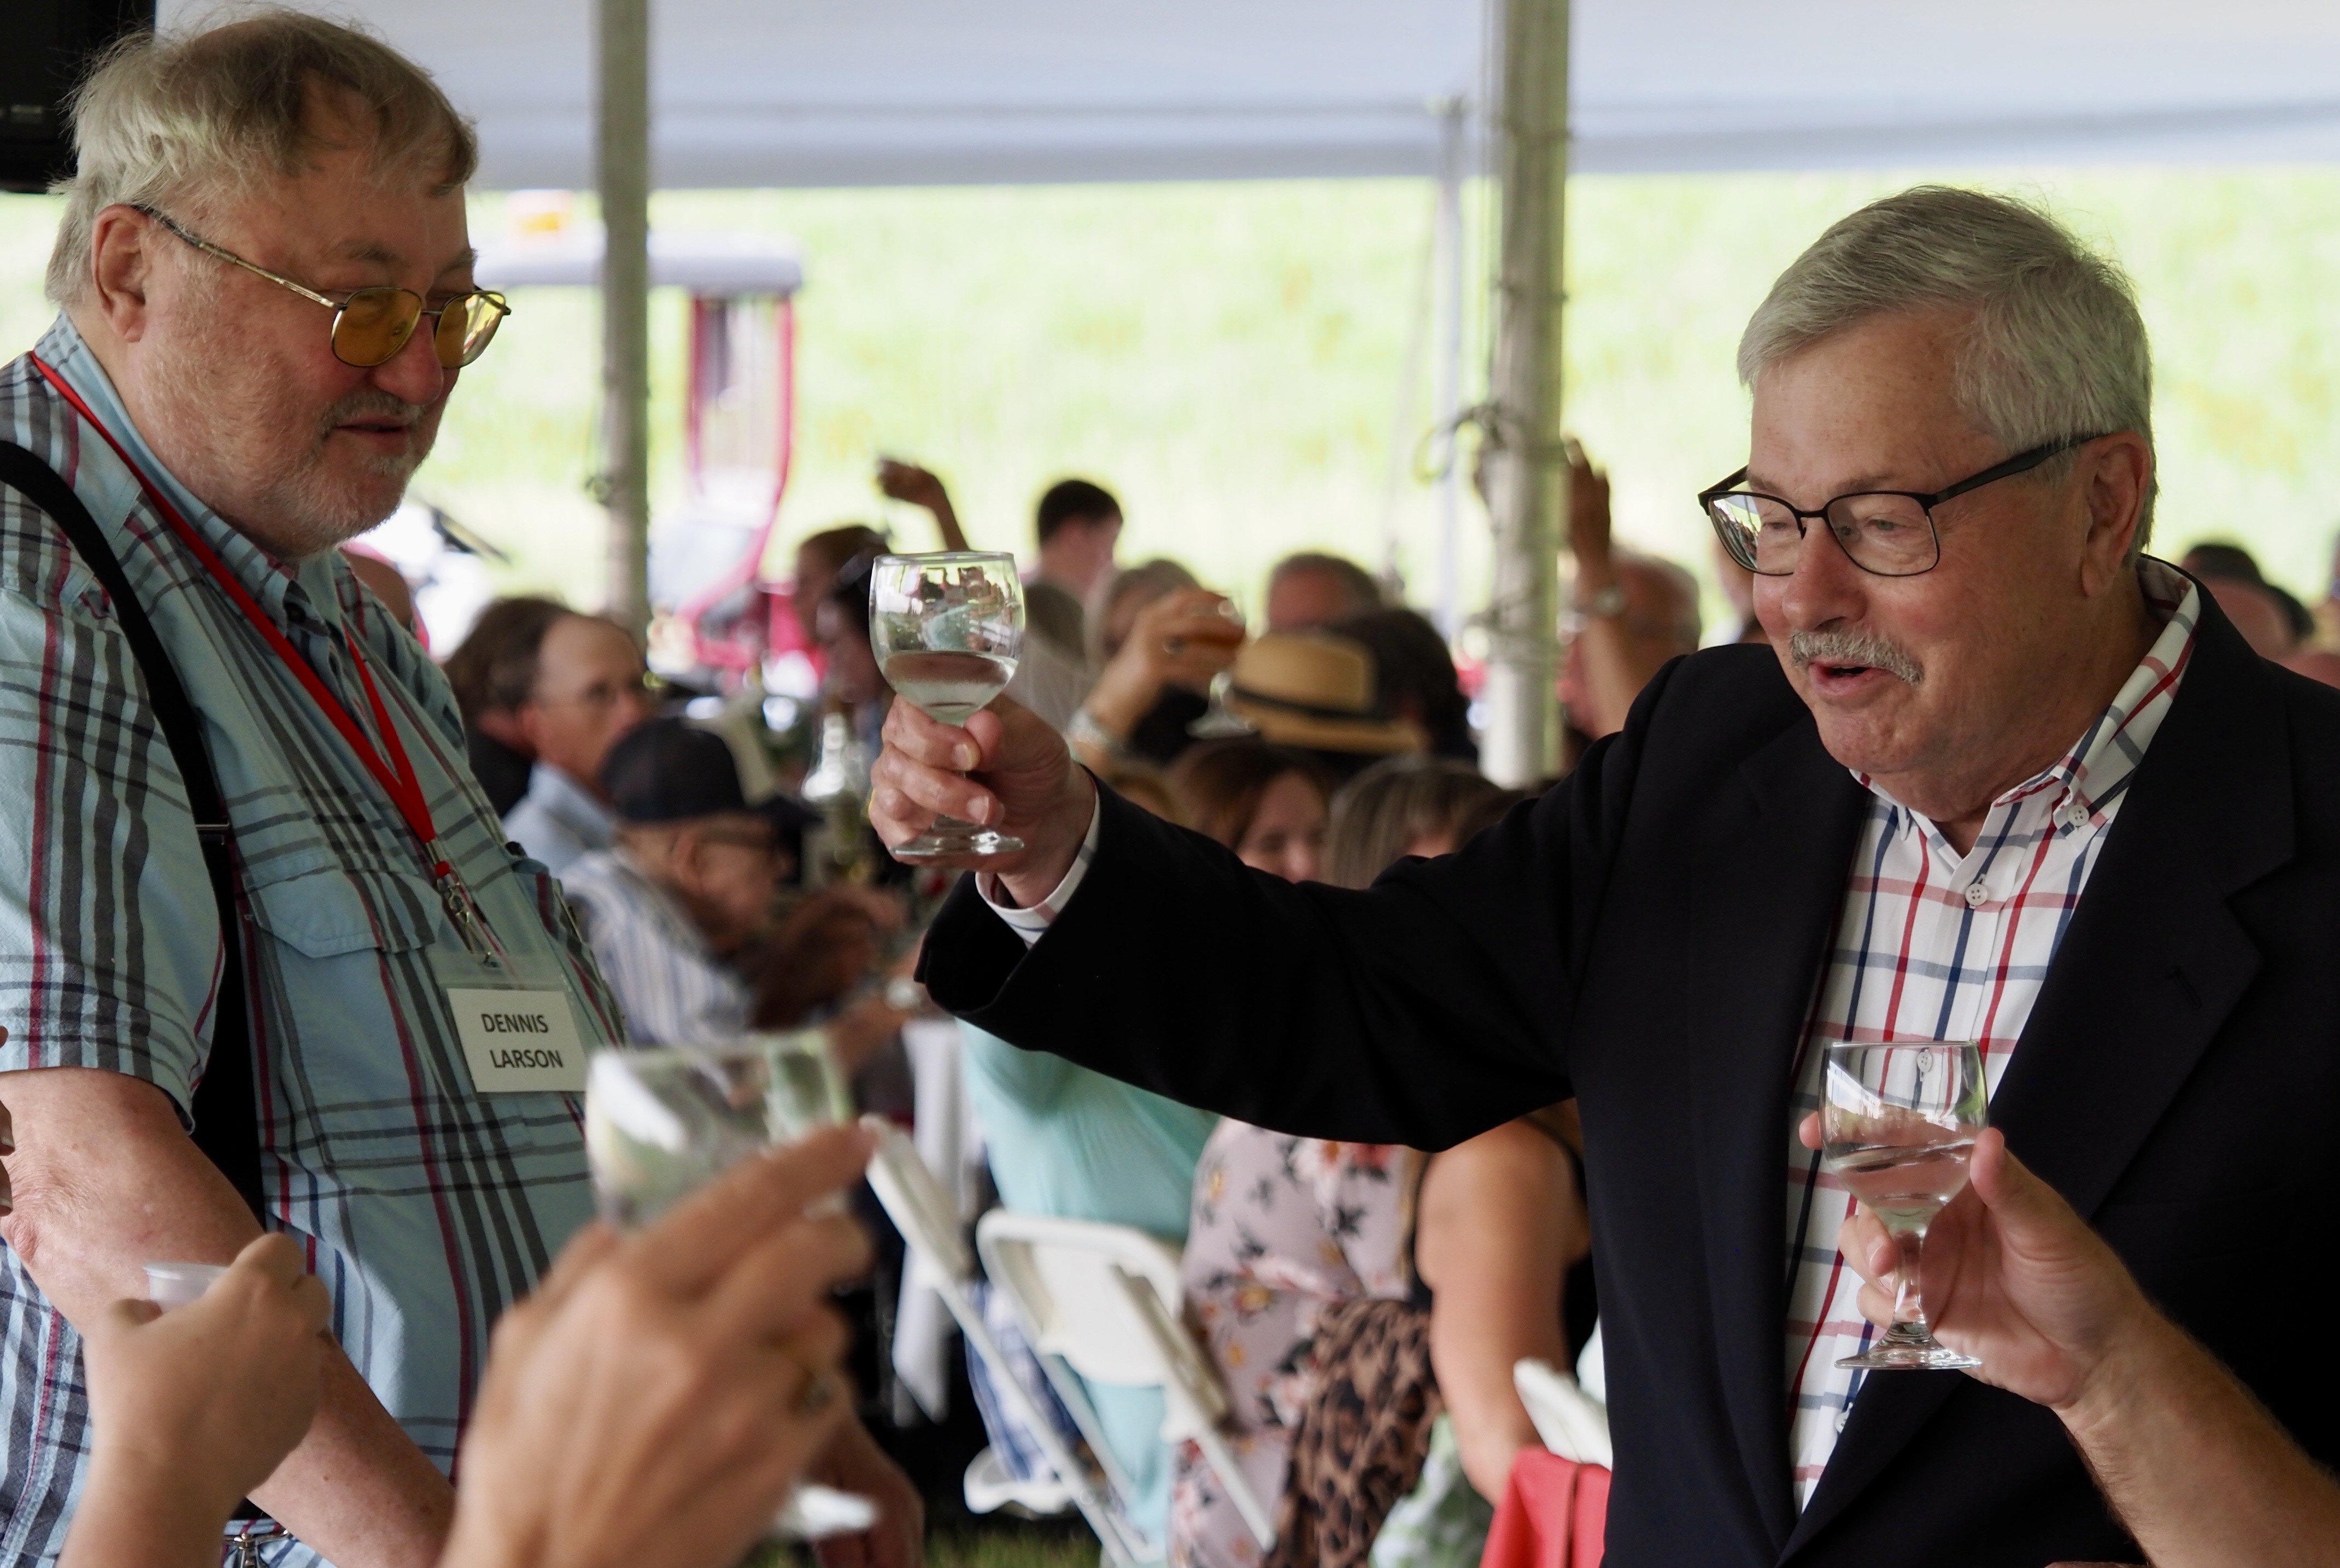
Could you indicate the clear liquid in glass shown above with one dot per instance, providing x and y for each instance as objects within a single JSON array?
[
  {"x": 1904, "y": 1186},
  {"x": 951, "y": 687}
]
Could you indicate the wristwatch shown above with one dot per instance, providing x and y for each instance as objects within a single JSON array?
[{"x": 1606, "y": 605}]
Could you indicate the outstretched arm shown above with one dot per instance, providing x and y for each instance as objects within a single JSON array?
[
  {"x": 2195, "y": 1468},
  {"x": 907, "y": 482},
  {"x": 1423, "y": 1011}
]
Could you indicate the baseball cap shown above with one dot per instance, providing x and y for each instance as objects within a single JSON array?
[{"x": 668, "y": 770}]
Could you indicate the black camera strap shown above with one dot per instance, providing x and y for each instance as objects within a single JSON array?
[{"x": 226, "y": 1118}]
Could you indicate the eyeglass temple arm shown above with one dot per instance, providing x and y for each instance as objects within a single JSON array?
[
  {"x": 2018, "y": 463},
  {"x": 225, "y": 255},
  {"x": 1709, "y": 493}
]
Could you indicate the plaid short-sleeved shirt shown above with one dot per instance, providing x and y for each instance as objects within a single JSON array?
[{"x": 426, "y": 1206}]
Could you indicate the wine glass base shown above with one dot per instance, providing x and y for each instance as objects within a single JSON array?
[
  {"x": 1926, "y": 1356},
  {"x": 934, "y": 845},
  {"x": 1222, "y": 727}
]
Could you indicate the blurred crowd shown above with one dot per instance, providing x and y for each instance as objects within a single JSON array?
[
  {"x": 268, "y": 863},
  {"x": 1342, "y": 743}
]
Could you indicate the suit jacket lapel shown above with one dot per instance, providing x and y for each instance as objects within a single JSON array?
[
  {"x": 2151, "y": 966},
  {"x": 1788, "y": 831}
]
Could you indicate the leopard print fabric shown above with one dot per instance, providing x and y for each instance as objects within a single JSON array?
[{"x": 1362, "y": 1437}]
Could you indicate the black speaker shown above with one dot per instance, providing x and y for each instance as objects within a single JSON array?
[{"x": 45, "y": 45}]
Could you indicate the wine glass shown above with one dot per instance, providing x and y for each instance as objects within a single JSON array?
[
  {"x": 662, "y": 1121},
  {"x": 1219, "y": 721},
  {"x": 946, "y": 628},
  {"x": 1897, "y": 1126}
]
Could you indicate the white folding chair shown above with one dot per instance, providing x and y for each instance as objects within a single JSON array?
[
  {"x": 1572, "y": 1422},
  {"x": 929, "y": 1222},
  {"x": 1105, "y": 1298}
]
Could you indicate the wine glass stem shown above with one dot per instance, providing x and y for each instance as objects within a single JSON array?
[{"x": 1908, "y": 1300}]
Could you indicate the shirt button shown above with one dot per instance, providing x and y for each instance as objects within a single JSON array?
[
  {"x": 1977, "y": 895},
  {"x": 2077, "y": 814}
]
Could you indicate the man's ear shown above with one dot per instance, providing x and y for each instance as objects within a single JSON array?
[
  {"x": 121, "y": 262},
  {"x": 2117, "y": 480},
  {"x": 529, "y": 720},
  {"x": 686, "y": 856}
]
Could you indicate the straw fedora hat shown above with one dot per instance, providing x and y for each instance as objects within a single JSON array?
[{"x": 1316, "y": 691}]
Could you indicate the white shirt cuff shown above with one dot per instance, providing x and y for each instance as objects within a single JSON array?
[{"x": 1032, "y": 923}]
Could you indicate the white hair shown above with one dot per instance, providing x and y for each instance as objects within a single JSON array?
[
  {"x": 193, "y": 116},
  {"x": 2054, "y": 348}
]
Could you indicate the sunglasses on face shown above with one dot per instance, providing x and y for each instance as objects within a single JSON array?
[{"x": 370, "y": 325}]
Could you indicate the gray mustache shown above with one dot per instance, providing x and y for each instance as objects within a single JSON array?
[{"x": 1862, "y": 647}]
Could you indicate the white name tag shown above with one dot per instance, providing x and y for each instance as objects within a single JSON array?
[{"x": 519, "y": 1042}]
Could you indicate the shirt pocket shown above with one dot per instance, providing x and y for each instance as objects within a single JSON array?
[
  {"x": 350, "y": 1008},
  {"x": 325, "y": 911}
]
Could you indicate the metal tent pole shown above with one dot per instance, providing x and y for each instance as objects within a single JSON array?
[
  {"x": 1528, "y": 478},
  {"x": 1453, "y": 116},
  {"x": 622, "y": 162}
]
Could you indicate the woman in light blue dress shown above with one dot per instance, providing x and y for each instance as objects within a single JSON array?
[{"x": 1072, "y": 1144}]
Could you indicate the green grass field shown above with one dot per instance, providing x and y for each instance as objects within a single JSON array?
[{"x": 1233, "y": 358}]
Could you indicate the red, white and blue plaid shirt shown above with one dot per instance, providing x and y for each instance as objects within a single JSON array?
[{"x": 1933, "y": 944}]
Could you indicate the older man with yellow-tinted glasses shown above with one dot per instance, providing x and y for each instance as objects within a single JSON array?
[{"x": 250, "y": 886}]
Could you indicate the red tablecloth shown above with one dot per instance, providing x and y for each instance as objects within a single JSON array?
[{"x": 1554, "y": 1515}]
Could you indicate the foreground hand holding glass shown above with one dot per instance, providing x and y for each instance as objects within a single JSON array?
[
  {"x": 1897, "y": 1126},
  {"x": 947, "y": 629},
  {"x": 661, "y": 1122}
]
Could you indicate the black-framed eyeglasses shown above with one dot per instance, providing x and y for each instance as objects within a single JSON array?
[
  {"x": 371, "y": 325},
  {"x": 1887, "y": 533}
]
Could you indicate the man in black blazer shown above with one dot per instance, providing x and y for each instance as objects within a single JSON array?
[{"x": 1950, "y": 489}]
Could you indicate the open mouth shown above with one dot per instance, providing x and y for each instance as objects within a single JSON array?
[
  {"x": 1841, "y": 663},
  {"x": 1832, "y": 679}
]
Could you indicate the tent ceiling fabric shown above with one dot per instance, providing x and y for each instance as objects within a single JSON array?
[{"x": 933, "y": 91}]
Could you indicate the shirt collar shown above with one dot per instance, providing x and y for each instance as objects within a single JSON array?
[
  {"x": 572, "y": 805},
  {"x": 288, "y": 591},
  {"x": 2095, "y": 771}
]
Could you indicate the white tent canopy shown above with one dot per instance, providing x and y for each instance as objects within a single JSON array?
[{"x": 906, "y": 92}]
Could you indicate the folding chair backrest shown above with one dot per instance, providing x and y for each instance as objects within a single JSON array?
[
  {"x": 1069, "y": 1277},
  {"x": 1104, "y": 1298},
  {"x": 923, "y": 1213},
  {"x": 914, "y": 1201},
  {"x": 1571, "y": 1423}
]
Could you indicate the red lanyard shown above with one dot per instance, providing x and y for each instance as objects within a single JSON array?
[{"x": 396, "y": 776}]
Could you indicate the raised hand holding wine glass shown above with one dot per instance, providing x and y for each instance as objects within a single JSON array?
[{"x": 946, "y": 628}]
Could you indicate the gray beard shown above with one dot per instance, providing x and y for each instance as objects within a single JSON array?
[{"x": 307, "y": 513}]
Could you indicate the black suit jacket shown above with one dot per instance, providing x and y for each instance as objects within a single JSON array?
[{"x": 1647, "y": 936}]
